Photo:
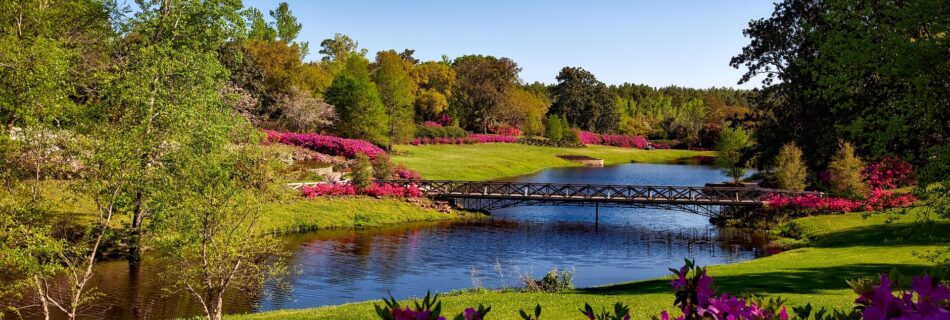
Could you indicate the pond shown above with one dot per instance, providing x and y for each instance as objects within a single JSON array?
[{"x": 340, "y": 266}]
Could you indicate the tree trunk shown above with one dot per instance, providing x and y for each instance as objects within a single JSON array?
[
  {"x": 42, "y": 295},
  {"x": 134, "y": 254}
]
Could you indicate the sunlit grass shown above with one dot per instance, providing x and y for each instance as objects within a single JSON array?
[{"x": 499, "y": 160}]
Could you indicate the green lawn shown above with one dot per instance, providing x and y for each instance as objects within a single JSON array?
[
  {"x": 839, "y": 247},
  {"x": 499, "y": 160},
  {"x": 297, "y": 214}
]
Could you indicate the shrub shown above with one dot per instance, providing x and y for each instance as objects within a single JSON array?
[
  {"x": 382, "y": 167},
  {"x": 349, "y": 189},
  {"x": 425, "y": 131},
  {"x": 659, "y": 146},
  {"x": 877, "y": 301},
  {"x": 401, "y": 172},
  {"x": 889, "y": 173},
  {"x": 470, "y": 139},
  {"x": 334, "y": 146},
  {"x": 845, "y": 172},
  {"x": 362, "y": 172},
  {"x": 428, "y": 309},
  {"x": 506, "y": 130},
  {"x": 790, "y": 171},
  {"x": 554, "y": 281},
  {"x": 877, "y": 200},
  {"x": 616, "y": 140}
]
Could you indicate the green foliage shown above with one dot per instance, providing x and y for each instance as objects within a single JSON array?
[
  {"x": 439, "y": 132},
  {"x": 732, "y": 142},
  {"x": 554, "y": 281},
  {"x": 790, "y": 169},
  {"x": 360, "y": 112},
  {"x": 584, "y": 101},
  {"x": 435, "y": 81},
  {"x": 396, "y": 91},
  {"x": 482, "y": 82},
  {"x": 361, "y": 173},
  {"x": 382, "y": 167},
  {"x": 525, "y": 110},
  {"x": 258, "y": 28},
  {"x": 537, "y": 313},
  {"x": 553, "y": 128},
  {"x": 620, "y": 312},
  {"x": 845, "y": 171},
  {"x": 859, "y": 71}
]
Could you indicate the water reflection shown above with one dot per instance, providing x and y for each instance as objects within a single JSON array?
[{"x": 339, "y": 266}]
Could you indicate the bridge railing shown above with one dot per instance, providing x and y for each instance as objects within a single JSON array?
[{"x": 588, "y": 192}]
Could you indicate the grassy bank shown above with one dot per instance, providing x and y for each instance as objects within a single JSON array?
[
  {"x": 498, "y": 160},
  {"x": 297, "y": 214},
  {"x": 838, "y": 248}
]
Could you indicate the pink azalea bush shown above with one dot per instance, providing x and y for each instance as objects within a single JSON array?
[
  {"x": 697, "y": 300},
  {"x": 374, "y": 190},
  {"x": 616, "y": 140},
  {"x": 889, "y": 173},
  {"x": 431, "y": 124},
  {"x": 877, "y": 200},
  {"x": 659, "y": 146},
  {"x": 879, "y": 301},
  {"x": 403, "y": 173},
  {"x": 470, "y": 139},
  {"x": 506, "y": 130},
  {"x": 334, "y": 146}
]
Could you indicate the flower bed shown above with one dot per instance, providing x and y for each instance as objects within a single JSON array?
[
  {"x": 470, "y": 139},
  {"x": 878, "y": 200},
  {"x": 331, "y": 145},
  {"x": 616, "y": 140},
  {"x": 889, "y": 173},
  {"x": 346, "y": 189}
]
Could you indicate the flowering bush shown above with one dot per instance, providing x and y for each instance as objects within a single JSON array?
[
  {"x": 429, "y": 309},
  {"x": 506, "y": 130},
  {"x": 331, "y": 145},
  {"x": 445, "y": 120},
  {"x": 889, "y": 173},
  {"x": 616, "y": 140},
  {"x": 657, "y": 145},
  {"x": 431, "y": 124},
  {"x": 470, "y": 139},
  {"x": 401, "y": 172},
  {"x": 347, "y": 189},
  {"x": 878, "y": 301},
  {"x": 588, "y": 137},
  {"x": 696, "y": 299},
  {"x": 877, "y": 200}
]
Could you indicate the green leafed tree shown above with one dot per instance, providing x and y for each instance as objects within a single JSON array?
[
  {"x": 397, "y": 93},
  {"x": 732, "y": 143},
  {"x": 552, "y": 127},
  {"x": 584, "y": 101},
  {"x": 790, "y": 168},
  {"x": 481, "y": 89},
  {"x": 360, "y": 112}
]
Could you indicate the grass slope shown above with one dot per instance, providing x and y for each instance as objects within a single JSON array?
[
  {"x": 296, "y": 215},
  {"x": 840, "y": 247},
  {"x": 499, "y": 160}
]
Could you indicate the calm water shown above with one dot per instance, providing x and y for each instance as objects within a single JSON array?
[{"x": 342, "y": 266}]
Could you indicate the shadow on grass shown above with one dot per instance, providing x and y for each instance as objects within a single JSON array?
[
  {"x": 897, "y": 234},
  {"x": 803, "y": 281}
]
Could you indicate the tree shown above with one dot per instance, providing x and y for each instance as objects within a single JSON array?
[
  {"x": 553, "y": 130},
  {"x": 845, "y": 171},
  {"x": 859, "y": 71},
  {"x": 525, "y": 110},
  {"x": 360, "y": 112},
  {"x": 211, "y": 236},
  {"x": 258, "y": 28},
  {"x": 337, "y": 50},
  {"x": 481, "y": 86},
  {"x": 396, "y": 91},
  {"x": 584, "y": 101},
  {"x": 435, "y": 82},
  {"x": 790, "y": 169},
  {"x": 301, "y": 112},
  {"x": 288, "y": 28},
  {"x": 729, "y": 148}
]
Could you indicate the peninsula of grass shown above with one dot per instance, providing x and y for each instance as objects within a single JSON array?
[
  {"x": 301, "y": 215},
  {"x": 837, "y": 248},
  {"x": 490, "y": 161}
]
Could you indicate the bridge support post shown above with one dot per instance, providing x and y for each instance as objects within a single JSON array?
[{"x": 596, "y": 214}]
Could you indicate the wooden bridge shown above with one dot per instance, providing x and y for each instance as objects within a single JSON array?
[{"x": 487, "y": 195}]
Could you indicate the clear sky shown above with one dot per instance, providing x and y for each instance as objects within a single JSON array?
[{"x": 660, "y": 43}]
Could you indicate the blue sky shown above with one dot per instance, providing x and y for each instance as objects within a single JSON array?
[{"x": 660, "y": 43}]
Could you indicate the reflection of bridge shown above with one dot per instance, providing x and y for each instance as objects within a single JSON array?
[{"x": 478, "y": 195}]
